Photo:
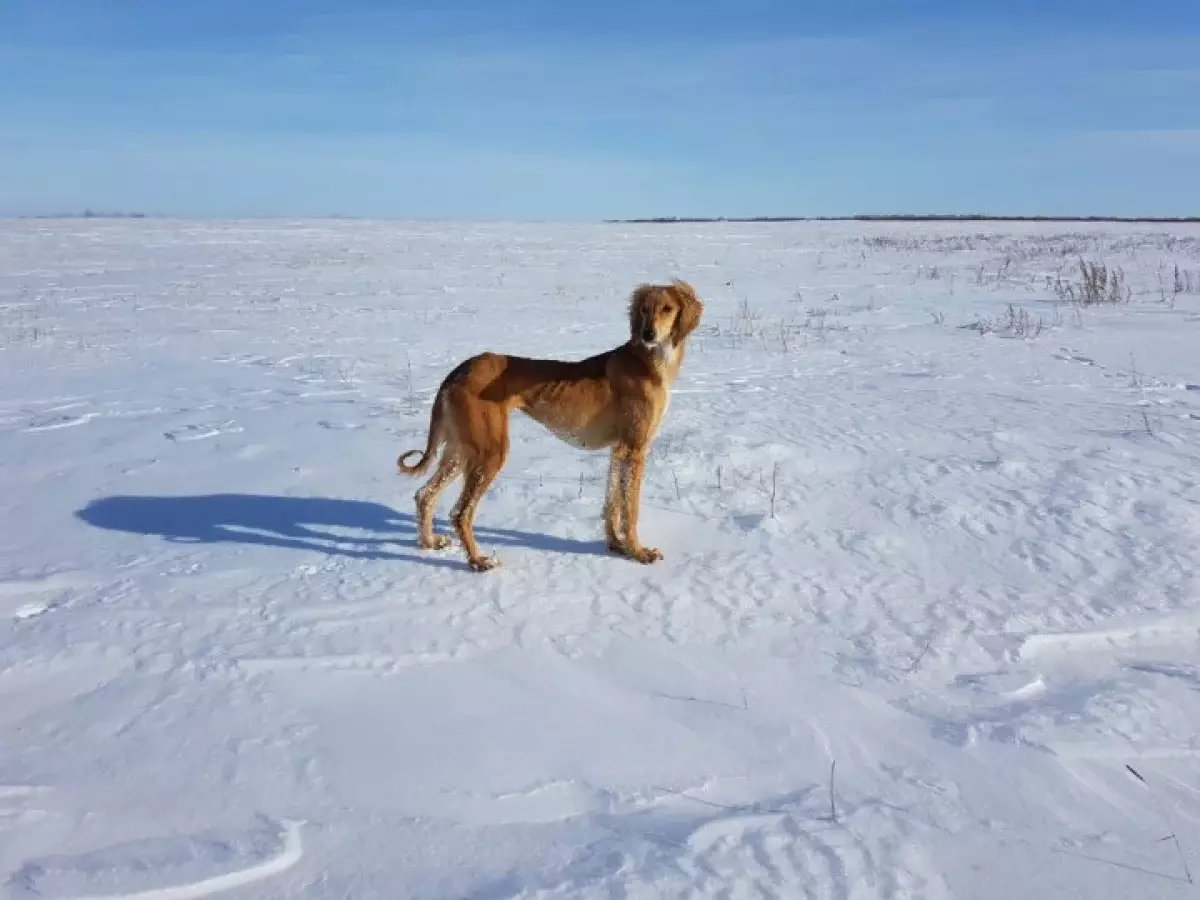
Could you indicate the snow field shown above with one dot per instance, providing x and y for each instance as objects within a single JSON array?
[{"x": 930, "y": 596}]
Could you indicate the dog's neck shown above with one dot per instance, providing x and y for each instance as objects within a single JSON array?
[{"x": 664, "y": 358}]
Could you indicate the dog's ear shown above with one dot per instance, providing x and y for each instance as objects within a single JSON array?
[
  {"x": 639, "y": 302},
  {"x": 690, "y": 310}
]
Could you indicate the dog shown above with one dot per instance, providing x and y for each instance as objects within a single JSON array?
[{"x": 615, "y": 400}]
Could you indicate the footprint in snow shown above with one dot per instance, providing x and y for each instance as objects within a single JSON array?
[
  {"x": 53, "y": 423},
  {"x": 201, "y": 431}
]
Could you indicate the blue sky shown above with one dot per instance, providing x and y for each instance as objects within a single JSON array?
[{"x": 552, "y": 109}]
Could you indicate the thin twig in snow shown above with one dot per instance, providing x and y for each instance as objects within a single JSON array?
[
  {"x": 832, "y": 804},
  {"x": 774, "y": 479},
  {"x": 1173, "y": 836}
]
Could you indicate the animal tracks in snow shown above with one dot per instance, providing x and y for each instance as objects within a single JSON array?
[
  {"x": 55, "y": 422},
  {"x": 19, "y": 806},
  {"x": 35, "y": 417},
  {"x": 202, "y": 431},
  {"x": 27, "y": 598}
]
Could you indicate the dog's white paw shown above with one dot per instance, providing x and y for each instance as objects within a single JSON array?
[
  {"x": 645, "y": 555},
  {"x": 484, "y": 563}
]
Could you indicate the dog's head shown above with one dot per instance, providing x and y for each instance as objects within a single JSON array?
[{"x": 662, "y": 314}]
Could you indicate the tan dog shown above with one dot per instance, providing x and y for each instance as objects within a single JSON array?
[{"x": 614, "y": 400}]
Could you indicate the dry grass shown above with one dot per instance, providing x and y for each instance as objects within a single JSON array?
[
  {"x": 22, "y": 326},
  {"x": 1015, "y": 322},
  {"x": 1177, "y": 281},
  {"x": 747, "y": 321},
  {"x": 748, "y": 325},
  {"x": 1097, "y": 285}
]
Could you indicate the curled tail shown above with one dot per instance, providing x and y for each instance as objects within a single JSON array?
[{"x": 431, "y": 446}]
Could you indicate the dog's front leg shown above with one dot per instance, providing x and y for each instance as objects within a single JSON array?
[
  {"x": 634, "y": 469},
  {"x": 614, "y": 526}
]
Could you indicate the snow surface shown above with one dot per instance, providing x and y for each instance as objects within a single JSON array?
[{"x": 961, "y": 566}]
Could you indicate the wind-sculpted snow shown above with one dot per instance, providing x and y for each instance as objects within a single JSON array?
[{"x": 928, "y": 622}]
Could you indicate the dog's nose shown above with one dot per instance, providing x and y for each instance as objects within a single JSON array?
[{"x": 648, "y": 335}]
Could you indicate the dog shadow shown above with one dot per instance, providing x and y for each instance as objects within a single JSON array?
[{"x": 357, "y": 529}]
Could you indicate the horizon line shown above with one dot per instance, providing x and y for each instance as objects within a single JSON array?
[{"x": 637, "y": 220}]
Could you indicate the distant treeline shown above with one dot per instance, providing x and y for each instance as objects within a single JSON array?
[
  {"x": 669, "y": 220},
  {"x": 908, "y": 218},
  {"x": 89, "y": 214}
]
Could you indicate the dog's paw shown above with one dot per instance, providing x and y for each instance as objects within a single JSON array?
[
  {"x": 638, "y": 554},
  {"x": 439, "y": 542},
  {"x": 484, "y": 563}
]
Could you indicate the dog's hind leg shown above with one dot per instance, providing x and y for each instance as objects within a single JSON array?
[
  {"x": 475, "y": 484},
  {"x": 427, "y": 497},
  {"x": 489, "y": 446}
]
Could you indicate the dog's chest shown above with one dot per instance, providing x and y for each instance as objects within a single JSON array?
[
  {"x": 574, "y": 438},
  {"x": 582, "y": 438}
]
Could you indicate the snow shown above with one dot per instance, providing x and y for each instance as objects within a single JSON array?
[{"x": 930, "y": 597}]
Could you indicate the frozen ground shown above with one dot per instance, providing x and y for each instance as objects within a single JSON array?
[{"x": 964, "y": 567}]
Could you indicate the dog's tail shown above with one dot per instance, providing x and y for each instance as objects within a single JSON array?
[{"x": 431, "y": 445}]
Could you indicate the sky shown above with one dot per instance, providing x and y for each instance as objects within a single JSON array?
[{"x": 559, "y": 110}]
